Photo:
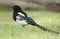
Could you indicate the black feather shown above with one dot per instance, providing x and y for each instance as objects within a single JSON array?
[{"x": 29, "y": 20}]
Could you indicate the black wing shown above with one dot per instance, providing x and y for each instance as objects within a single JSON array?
[
  {"x": 30, "y": 20},
  {"x": 24, "y": 13}
]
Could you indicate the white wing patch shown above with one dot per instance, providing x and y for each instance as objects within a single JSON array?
[
  {"x": 21, "y": 13},
  {"x": 18, "y": 17},
  {"x": 21, "y": 22}
]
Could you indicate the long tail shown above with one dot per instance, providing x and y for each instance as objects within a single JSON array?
[{"x": 46, "y": 29}]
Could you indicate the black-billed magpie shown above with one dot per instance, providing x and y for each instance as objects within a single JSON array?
[{"x": 23, "y": 19}]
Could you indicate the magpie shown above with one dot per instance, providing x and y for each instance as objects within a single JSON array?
[{"x": 23, "y": 19}]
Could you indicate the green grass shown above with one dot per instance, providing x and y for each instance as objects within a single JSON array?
[{"x": 9, "y": 29}]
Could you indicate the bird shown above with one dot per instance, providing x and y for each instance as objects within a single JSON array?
[{"x": 23, "y": 19}]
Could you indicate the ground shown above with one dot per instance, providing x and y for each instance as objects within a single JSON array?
[{"x": 9, "y": 29}]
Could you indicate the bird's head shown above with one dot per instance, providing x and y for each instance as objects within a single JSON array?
[{"x": 16, "y": 8}]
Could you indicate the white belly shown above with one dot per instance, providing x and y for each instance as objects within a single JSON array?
[{"x": 21, "y": 22}]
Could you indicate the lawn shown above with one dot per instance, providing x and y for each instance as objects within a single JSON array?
[{"x": 9, "y": 29}]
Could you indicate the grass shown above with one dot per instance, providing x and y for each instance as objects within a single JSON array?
[{"x": 9, "y": 29}]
